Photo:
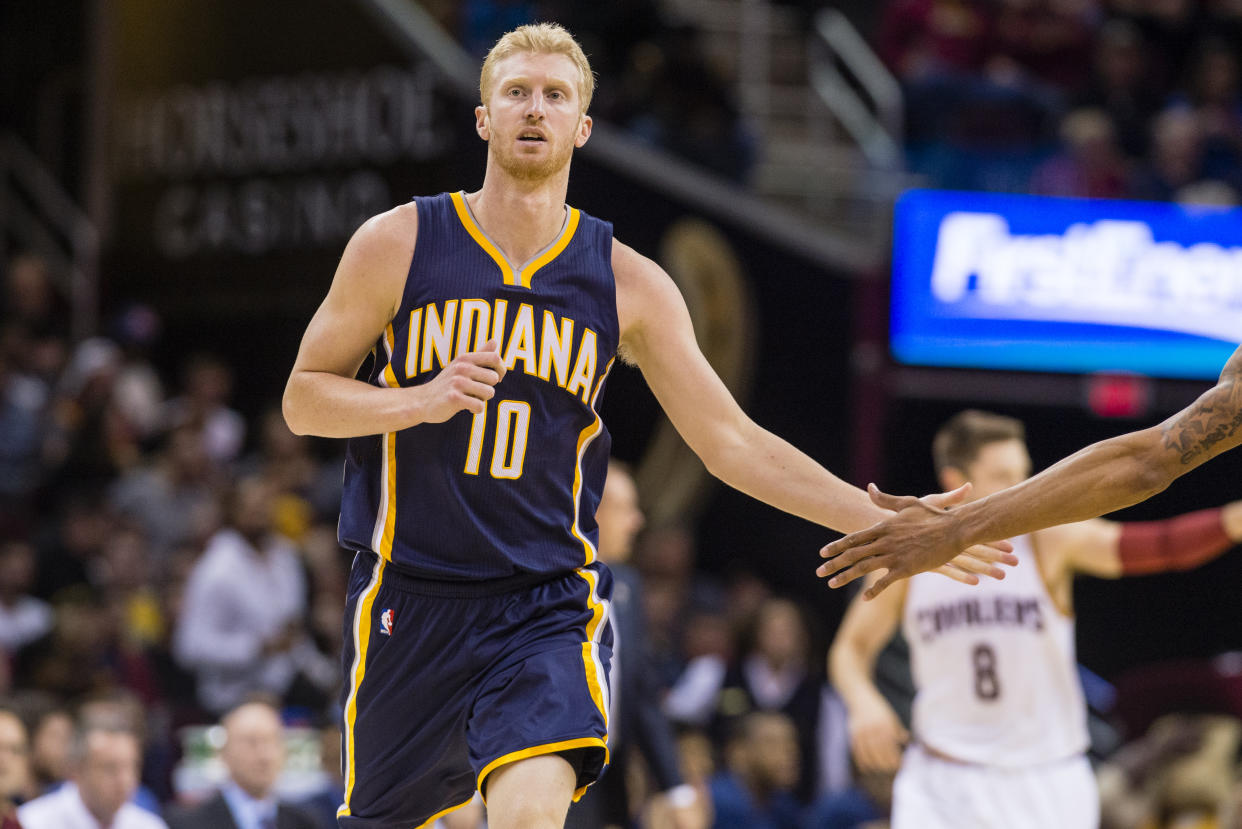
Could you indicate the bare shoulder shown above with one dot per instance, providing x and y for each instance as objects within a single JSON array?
[
  {"x": 631, "y": 269},
  {"x": 377, "y": 259},
  {"x": 1212, "y": 424},
  {"x": 388, "y": 234},
  {"x": 646, "y": 294}
]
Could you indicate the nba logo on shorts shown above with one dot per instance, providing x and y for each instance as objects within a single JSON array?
[{"x": 386, "y": 622}]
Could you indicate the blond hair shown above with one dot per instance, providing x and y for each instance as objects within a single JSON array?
[
  {"x": 538, "y": 39},
  {"x": 960, "y": 440}
]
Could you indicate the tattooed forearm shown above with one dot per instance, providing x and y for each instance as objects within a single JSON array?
[{"x": 1213, "y": 423}]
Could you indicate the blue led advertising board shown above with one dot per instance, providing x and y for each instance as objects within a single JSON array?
[{"x": 983, "y": 280}]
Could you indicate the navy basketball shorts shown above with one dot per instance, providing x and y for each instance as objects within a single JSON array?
[{"x": 445, "y": 682}]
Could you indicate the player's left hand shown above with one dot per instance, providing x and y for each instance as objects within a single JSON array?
[
  {"x": 662, "y": 813},
  {"x": 920, "y": 537}
]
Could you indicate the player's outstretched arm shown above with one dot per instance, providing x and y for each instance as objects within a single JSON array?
[
  {"x": 876, "y": 733},
  {"x": 1101, "y": 478},
  {"x": 657, "y": 334},
  {"x": 1111, "y": 549},
  {"x": 323, "y": 397}
]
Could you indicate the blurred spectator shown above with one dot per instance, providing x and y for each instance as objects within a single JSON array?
[
  {"x": 689, "y": 109},
  {"x": 1179, "y": 774},
  {"x": 1045, "y": 42},
  {"x": 1170, "y": 29},
  {"x": 23, "y": 618},
  {"x": 207, "y": 386},
  {"x": 51, "y": 738},
  {"x": 922, "y": 39},
  {"x": 328, "y": 568},
  {"x": 1208, "y": 194},
  {"x": 754, "y": 791},
  {"x": 79, "y": 656},
  {"x": 105, "y": 765},
  {"x": 138, "y": 394},
  {"x": 15, "y": 783},
  {"x": 124, "y": 575},
  {"x": 696, "y": 756},
  {"x": 70, "y": 549},
  {"x": 1090, "y": 164},
  {"x": 89, "y": 441},
  {"x": 775, "y": 674},
  {"x": 123, "y": 708},
  {"x": 32, "y": 304},
  {"x": 674, "y": 595},
  {"x": 856, "y": 807},
  {"x": 1212, "y": 93},
  {"x": 254, "y": 755},
  {"x": 242, "y": 625},
  {"x": 709, "y": 650},
  {"x": 1176, "y": 158},
  {"x": 175, "y": 498},
  {"x": 306, "y": 489},
  {"x": 1122, "y": 85},
  {"x": 24, "y": 400}
]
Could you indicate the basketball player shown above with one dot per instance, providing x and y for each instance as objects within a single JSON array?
[
  {"x": 999, "y": 718},
  {"x": 477, "y": 637},
  {"x": 1101, "y": 478}
]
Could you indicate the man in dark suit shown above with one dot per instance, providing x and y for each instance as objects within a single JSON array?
[
  {"x": 635, "y": 721},
  {"x": 254, "y": 754}
]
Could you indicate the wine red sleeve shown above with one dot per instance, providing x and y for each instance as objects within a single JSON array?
[{"x": 1180, "y": 543}]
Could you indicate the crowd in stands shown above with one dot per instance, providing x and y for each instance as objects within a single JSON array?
[
  {"x": 170, "y": 584},
  {"x": 170, "y": 579},
  {"x": 1093, "y": 98},
  {"x": 658, "y": 81}
]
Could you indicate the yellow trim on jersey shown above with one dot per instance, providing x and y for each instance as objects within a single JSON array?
[
  {"x": 385, "y": 521},
  {"x": 597, "y": 682},
  {"x": 390, "y": 514},
  {"x": 584, "y": 439},
  {"x": 362, "y": 638},
  {"x": 557, "y": 247},
  {"x": 476, "y": 233},
  {"x": 539, "y": 751},
  {"x": 390, "y": 342},
  {"x": 444, "y": 812},
  {"x": 506, "y": 270},
  {"x": 596, "y": 607}
]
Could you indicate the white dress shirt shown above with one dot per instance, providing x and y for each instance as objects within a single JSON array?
[
  {"x": 236, "y": 599},
  {"x": 247, "y": 812},
  {"x": 64, "y": 809}
]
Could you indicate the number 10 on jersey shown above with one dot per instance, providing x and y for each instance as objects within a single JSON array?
[{"x": 509, "y": 448}]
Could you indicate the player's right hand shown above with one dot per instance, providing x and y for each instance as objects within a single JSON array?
[
  {"x": 467, "y": 382},
  {"x": 877, "y": 738},
  {"x": 918, "y": 538}
]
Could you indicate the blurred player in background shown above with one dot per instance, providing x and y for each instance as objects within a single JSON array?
[
  {"x": 999, "y": 718},
  {"x": 1099, "y": 479}
]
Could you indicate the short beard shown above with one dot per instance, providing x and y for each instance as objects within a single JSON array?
[{"x": 528, "y": 171}]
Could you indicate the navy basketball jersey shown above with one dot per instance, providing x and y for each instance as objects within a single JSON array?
[{"x": 511, "y": 491}]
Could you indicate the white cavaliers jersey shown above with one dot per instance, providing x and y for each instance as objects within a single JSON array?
[{"x": 995, "y": 668}]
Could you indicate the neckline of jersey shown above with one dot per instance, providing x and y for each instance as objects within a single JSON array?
[{"x": 510, "y": 274}]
